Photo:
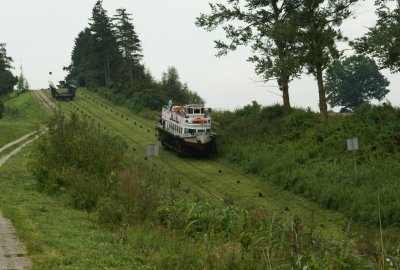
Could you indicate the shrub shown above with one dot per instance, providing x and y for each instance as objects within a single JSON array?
[
  {"x": 304, "y": 153},
  {"x": 76, "y": 155}
]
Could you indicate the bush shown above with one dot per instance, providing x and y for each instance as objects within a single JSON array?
[
  {"x": 76, "y": 155},
  {"x": 304, "y": 153}
]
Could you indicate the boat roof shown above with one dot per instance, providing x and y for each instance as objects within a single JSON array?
[{"x": 194, "y": 105}]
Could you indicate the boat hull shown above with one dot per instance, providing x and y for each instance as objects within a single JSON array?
[{"x": 203, "y": 144}]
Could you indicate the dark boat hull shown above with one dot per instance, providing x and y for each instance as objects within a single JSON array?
[{"x": 183, "y": 147}]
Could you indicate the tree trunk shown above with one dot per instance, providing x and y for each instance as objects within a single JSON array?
[
  {"x": 105, "y": 71},
  {"x": 323, "y": 108},
  {"x": 284, "y": 87}
]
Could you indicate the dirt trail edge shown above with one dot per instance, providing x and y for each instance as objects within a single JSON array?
[
  {"x": 12, "y": 251},
  {"x": 16, "y": 141}
]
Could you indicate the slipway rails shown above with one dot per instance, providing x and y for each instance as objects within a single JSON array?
[{"x": 207, "y": 178}]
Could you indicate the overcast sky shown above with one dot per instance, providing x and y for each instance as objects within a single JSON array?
[{"x": 40, "y": 35}]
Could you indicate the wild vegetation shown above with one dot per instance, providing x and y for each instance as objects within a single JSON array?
[
  {"x": 22, "y": 114},
  {"x": 307, "y": 155},
  {"x": 130, "y": 194}
]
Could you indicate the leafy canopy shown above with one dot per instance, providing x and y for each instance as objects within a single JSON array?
[
  {"x": 383, "y": 40},
  {"x": 353, "y": 81},
  {"x": 265, "y": 25}
]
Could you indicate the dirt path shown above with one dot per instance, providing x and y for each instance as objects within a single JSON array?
[
  {"x": 44, "y": 99},
  {"x": 12, "y": 251},
  {"x": 16, "y": 141}
]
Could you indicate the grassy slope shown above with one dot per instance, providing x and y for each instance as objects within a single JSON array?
[
  {"x": 22, "y": 115},
  {"x": 61, "y": 238},
  {"x": 203, "y": 176},
  {"x": 307, "y": 155}
]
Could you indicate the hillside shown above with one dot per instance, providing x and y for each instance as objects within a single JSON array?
[
  {"x": 306, "y": 154},
  {"x": 169, "y": 212}
]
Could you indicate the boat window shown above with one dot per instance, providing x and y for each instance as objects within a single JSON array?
[
  {"x": 208, "y": 130},
  {"x": 191, "y": 131},
  {"x": 196, "y": 111},
  {"x": 200, "y": 130},
  {"x": 190, "y": 110},
  {"x": 202, "y": 110}
]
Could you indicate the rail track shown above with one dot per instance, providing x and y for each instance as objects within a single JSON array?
[{"x": 206, "y": 177}]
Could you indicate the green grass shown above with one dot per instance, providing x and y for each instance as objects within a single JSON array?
[
  {"x": 303, "y": 153},
  {"x": 22, "y": 115},
  {"x": 59, "y": 237}
]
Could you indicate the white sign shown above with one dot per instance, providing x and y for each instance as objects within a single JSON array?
[
  {"x": 152, "y": 149},
  {"x": 352, "y": 144}
]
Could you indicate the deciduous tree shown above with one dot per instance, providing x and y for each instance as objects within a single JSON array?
[
  {"x": 267, "y": 26},
  {"x": 353, "y": 81},
  {"x": 319, "y": 22},
  {"x": 383, "y": 40}
]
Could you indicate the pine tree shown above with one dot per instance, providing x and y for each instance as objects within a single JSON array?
[
  {"x": 128, "y": 41},
  {"x": 86, "y": 67},
  {"x": 22, "y": 83},
  {"x": 7, "y": 79},
  {"x": 106, "y": 44}
]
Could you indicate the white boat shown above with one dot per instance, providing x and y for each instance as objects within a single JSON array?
[{"x": 186, "y": 129}]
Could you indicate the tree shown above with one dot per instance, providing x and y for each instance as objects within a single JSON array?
[
  {"x": 22, "y": 83},
  {"x": 171, "y": 86},
  {"x": 319, "y": 21},
  {"x": 353, "y": 81},
  {"x": 128, "y": 41},
  {"x": 268, "y": 27},
  {"x": 106, "y": 44},
  {"x": 383, "y": 40},
  {"x": 86, "y": 66},
  {"x": 7, "y": 79}
]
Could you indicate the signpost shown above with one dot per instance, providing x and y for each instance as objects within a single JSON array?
[
  {"x": 352, "y": 145},
  {"x": 152, "y": 150}
]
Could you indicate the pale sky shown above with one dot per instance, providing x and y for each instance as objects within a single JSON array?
[{"x": 40, "y": 35}]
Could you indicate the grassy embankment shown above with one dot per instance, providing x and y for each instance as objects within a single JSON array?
[
  {"x": 23, "y": 114},
  {"x": 108, "y": 117},
  {"x": 307, "y": 155},
  {"x": 178, "y": 234}
]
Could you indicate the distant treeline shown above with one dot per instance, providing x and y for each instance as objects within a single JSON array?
[
  {"x": 107, "y": 55},
  {"x": 7, "y": 79}
]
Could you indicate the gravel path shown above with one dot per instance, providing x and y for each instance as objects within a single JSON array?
[
  {"x": 12, "y": 251},
  {"x": 16, "y": 141},
  {"x": 44, "y": 99}
]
